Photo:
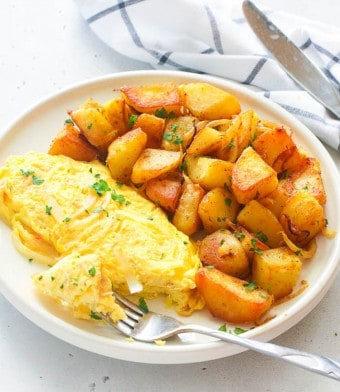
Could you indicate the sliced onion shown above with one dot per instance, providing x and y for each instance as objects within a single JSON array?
[{"x": 306, "y": 253}]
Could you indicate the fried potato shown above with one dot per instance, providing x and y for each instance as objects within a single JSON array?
[
  {"x": 224, "y": 251},
  {"x": 206, "y": 141},
  {"x": 154, "y": 162},
  {"x": 240, "y": 134},
  {"x": 207, "y": 102},
  {"x": 93, "y": 124},
  {"x": 164, "y": 192},
  {"x": 186, "y": 217},
  {"x": 273, "y": 144},
  {"x": 306, "y": 178},
  {"x": 151, "y": 99},
  {"x": 153, "y": 126},
  {"x": 178, "y": 133},
  {"x": 117, "y": 113},
  {"x": 258, "y": 219},
  {"x": 252, "y": 178},
  {"x": 251, "y": 243},
  {"x": 217, "y": 207},
  {"x": 276, "y": 270},
  {"x": 70, "y": 142},
  {"x": 232, "y": 299},
  {"x": 302, "y": 218},
  {"x": 209, "y": 172},
  {"x": 123, "y": 152}
]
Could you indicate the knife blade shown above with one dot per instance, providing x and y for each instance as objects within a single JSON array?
[{"x": 297, "y": 65}]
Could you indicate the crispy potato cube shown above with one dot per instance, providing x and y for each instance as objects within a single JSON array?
[
  {"x": 230, "y": 298},
  {"x": 275, "y": 200},
  {"x": 70, "y": 142},
  {"x": 153, "y": 126},
  {"x": 186, "y": 216},
  {"x": 207, "y": 102},
  {"x": 151, "y": 99},
  {"x": 252, "y": 178},
  {"x": 258, "y": 219},
  {"x": 307, "y": 178},
  {"x": 117, "y": 112},
  {"x": 164, "y": 192},
  {"x": 206, "y": 141},
  {"x": 123, "y": 152},
  {"x": 302, "y": 218},
  {"x": 239, "y": 135},
  {"x": 93, "y": 124},
  {"x": 217, "y": 207},
  {"x": 178, "y": 133},
  {"x": 276, "y": 270},
  {"x": 154, "y": 162},
  {"x": 250, "y": 243},
  {"x": 209, "y": 172},
  {"x": 272, "y": 144},
  {"x": 224, "y": 251}
]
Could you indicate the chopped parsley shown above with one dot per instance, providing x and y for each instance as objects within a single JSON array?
[
  {"x": 132, "y": 120},
  {"x": 228, "y": 201},
  {"x": 142, "y": 305},
  {"x": 36, "y": 180},
  {"x": 250, "y": 286},
  {"x": 101, "y": 187},
  {"x": 92, "y": 271},
  {"x": 254, "y": 247},
  {"x": 94, "y": 316},
  {"x": 67, "y": 219},
  {"x": 26, "y": 173},
  {"x": 69, "y": 121},
  {"x": 223, "y": 328},
  {"x": 48, "y": 210},
  {"x": 162, "y": 113},
  {"x": 261, "y": 236},
  {"x": 238, "y": 330},
  {"x": 117, "y": 197}
]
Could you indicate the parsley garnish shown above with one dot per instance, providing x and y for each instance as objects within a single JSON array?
[
  {"x": 69, "y": 122},
  {"x": 228, "y": 201},
  {"x": 117, "y": 197},
  {"x": 131, "y": 120},
  {"x": 143, "y": 305},
  {"x": 223, "y": 328},
  {"x": 48, "y": 210},
  {"x": 94, "y": 316},
  {"x": 101, "y": 187},
  {"x": 26, "y": 173},
  {"x": 255, "y": 248},
  {"x": 261, "y": 236},
  {"x": 239, "y": 235},
  {"x": 162, "y": 113},
  {"x": 36, "y": 180},
  {"x": 92, "y": 271},
  {"x": 238, "y": 330},
  {"x": 250, "y": 286}
]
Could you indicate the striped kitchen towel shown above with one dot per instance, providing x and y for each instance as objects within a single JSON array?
[{"x": 213, "y": 37}]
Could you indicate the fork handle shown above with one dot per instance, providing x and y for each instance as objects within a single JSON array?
[{"x": 315, "y": 363}]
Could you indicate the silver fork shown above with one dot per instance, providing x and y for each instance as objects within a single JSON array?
[{"x": 150, "y": 326}]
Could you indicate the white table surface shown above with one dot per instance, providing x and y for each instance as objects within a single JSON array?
[{"x": 45, "y": 46}]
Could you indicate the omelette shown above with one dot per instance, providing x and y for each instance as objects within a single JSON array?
[{"x": 94, "y": 235}]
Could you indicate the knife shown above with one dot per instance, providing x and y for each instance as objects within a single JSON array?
[{"x": 298, "y": 66}]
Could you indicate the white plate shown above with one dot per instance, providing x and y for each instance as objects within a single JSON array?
[{"x": 35, "y": 130}]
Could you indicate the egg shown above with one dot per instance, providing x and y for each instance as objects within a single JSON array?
[{"x": 94, "y": 234}]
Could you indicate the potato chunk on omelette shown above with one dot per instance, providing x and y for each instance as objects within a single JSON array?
[{"x": 95, "y": 234}]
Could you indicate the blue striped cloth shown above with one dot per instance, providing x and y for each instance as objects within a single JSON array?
[{"x": 213, "y": 37}]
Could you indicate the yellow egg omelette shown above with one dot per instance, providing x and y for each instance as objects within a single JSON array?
[{"x": 94, "y": 234}]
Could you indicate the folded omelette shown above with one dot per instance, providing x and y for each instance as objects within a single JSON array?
[{"x": 95, "y": 235}]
